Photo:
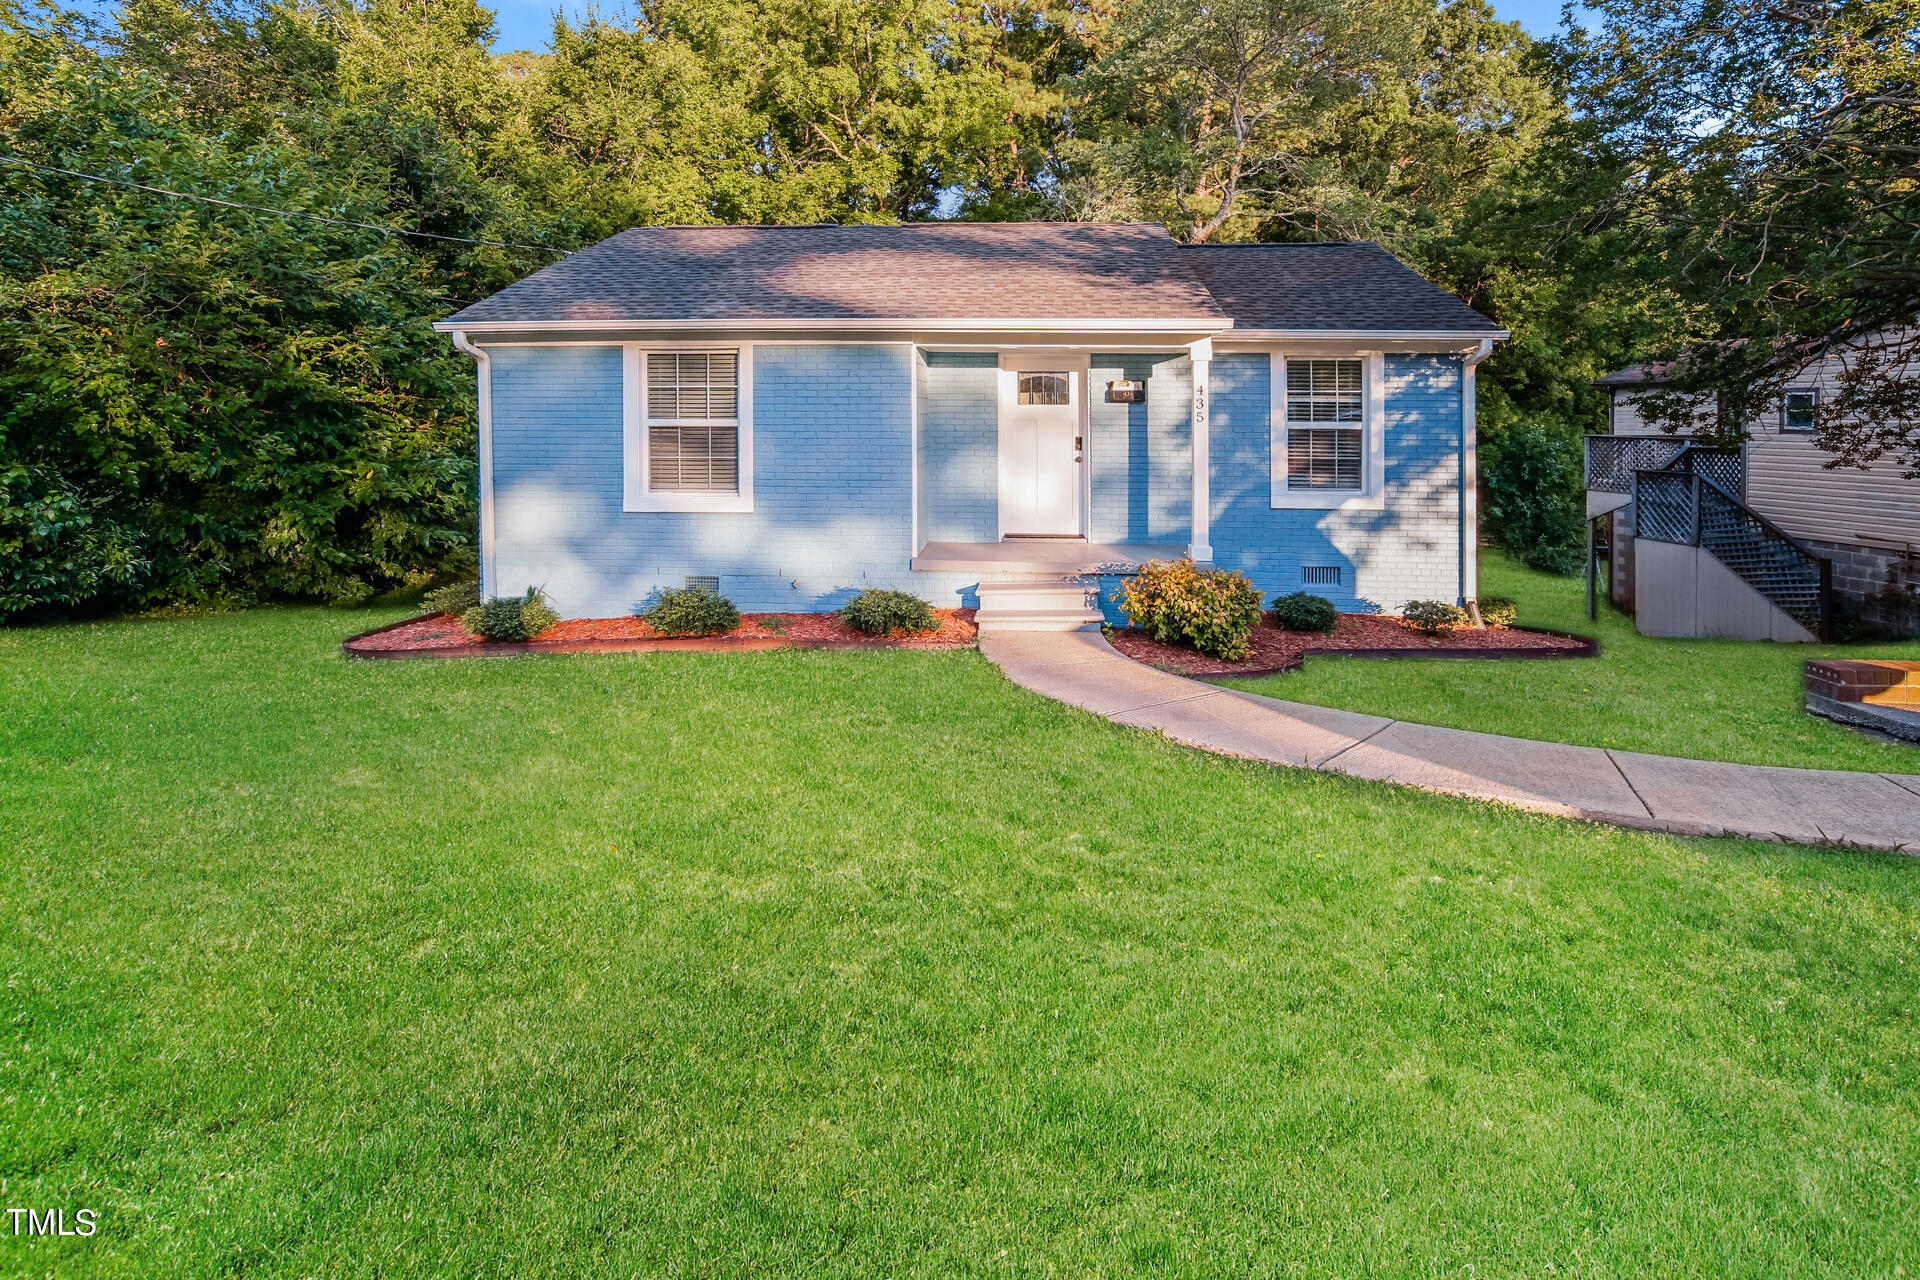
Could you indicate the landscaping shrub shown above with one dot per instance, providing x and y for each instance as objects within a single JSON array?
[
  {"x": 512, "y": 618},
  {"x": 1531, "y": 488},
  {"x": 1304, "y": 611},
  {"x": 454, "y": 598},
  {"x": 1435, "y": 617},
  {"x": 1498, "y": 611},
  {"x": 885, "y": 613},
  {"x": 1177, "y": 602},
  {"x": 692, "y": 611}
]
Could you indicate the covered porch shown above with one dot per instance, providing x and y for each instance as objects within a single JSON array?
[{"x": 1058, "y": 557}]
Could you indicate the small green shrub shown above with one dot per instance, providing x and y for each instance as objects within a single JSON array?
[
  {"x": 454, "y": 598},
  {"x": 886, "y": 613},
  {"x": 1498, "y": 611},
  {"x": 511, "y": 618},
  {"x": 1177, "y": 602},
  {"x": 774, "y": 623},
  {"x": 691, "y": 611},
  {"x": 1304, "y": 611},
  {"x": 1435, "y": 617}
]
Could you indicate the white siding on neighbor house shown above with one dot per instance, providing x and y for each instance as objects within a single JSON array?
[{"x": 1788, "y": 482}]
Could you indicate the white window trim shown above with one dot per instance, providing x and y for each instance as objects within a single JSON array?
[
  {"x": 1371, "y": 495},
  {"x": 637, "y": 496},
  {"x": 1812, "y": 391}
]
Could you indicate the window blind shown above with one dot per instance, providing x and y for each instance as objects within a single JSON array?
[
  {"x": 1325, "y": 392},
  {"x": 693, "y": 424}
]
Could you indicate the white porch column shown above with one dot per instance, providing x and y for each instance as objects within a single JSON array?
[{"x": 1201, "y": 548}]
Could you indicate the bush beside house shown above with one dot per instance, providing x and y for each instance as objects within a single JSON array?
[
  {"x": 511, "y": 618},
  {"x": 1434, "y": 617},
  {"x": 1177, "y": 602},
  {"x": 886, "y": 613},
  {"x": 692, "y": 611},
  {"x": 1304, "y": 611}
]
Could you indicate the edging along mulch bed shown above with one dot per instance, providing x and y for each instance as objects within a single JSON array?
[
  {"x": 1355, "y": 635},
  {"x": 440, "y": 635}
]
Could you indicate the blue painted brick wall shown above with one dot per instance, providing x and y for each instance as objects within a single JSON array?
[
  {"x": 960, "y": 446},
  {"x": 832, "y": 485},
  {"x": 1408, "y": 551},
  {"x": 1141, "y": 458},
  {"x": 833, "y": 442}
]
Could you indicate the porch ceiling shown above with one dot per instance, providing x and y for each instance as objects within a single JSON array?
[{"x": 1041, "y": 555}]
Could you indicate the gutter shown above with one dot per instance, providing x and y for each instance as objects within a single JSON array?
[
  {"x": 1159, "y": 324},
  {"x": 1481, "y": 336},
  {"x": 1469, "y": 502},
  {"x": 485, "y": 416}
]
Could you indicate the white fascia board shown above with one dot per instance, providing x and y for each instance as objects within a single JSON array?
[
  {"x": 1369, "y": 336},
  {"x": 1019, "y": 324}
]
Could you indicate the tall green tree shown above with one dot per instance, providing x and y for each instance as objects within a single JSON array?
[
  {"x": 1201, "y": 114},
  {"x": 201, "y": 400},
  {"x": 1772, "y": 152}
]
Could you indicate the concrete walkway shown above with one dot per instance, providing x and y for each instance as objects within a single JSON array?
[{"x": 1664, "y": 793}]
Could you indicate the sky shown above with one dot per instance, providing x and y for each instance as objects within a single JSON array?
[{"x": 526, "y": 24}]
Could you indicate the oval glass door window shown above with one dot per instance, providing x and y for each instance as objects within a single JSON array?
[{"x": 1044, "y": 388}]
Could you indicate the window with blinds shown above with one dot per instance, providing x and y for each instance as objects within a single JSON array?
[
  {"x": 1322, "y": 452},
  {"x": 693, "y": 421}
]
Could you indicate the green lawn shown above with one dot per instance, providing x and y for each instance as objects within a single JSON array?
[
  {"x": 1709, "y": 699},
  {"x": 870, "y": 964}
]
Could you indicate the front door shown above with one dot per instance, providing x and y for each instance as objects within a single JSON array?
[{"x": 1040, "y": 452}]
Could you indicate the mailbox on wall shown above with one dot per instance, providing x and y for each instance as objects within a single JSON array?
[{"x": 1124, "y": 391}]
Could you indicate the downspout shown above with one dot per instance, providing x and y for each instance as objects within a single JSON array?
[
  {"x": 1470, "y": 478},
  {"x": 485, "y": 414}
]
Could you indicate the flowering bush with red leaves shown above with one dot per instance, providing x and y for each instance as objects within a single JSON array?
[{"x": 1178, "y": 602}]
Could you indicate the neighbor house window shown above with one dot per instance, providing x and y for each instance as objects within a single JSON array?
[
  {"x": 1797, "y": 409},
  {"x": 693, "y": 421},
  {"x": 688, "y": 428},
  {"x": 1326, "y": 416}
]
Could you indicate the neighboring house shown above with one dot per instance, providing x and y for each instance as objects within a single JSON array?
[
  {"x": 1864, "y": 524},
  {"x": 971, "y": 412}
]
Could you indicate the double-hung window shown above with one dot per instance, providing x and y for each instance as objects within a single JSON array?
[
  {"x": 1326, "y": 431},
  {"x": 689, "y": 429},
  {"x": 1326, "y": 413}
]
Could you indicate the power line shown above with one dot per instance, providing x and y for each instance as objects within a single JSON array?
[{"x": 284, "y": 213}]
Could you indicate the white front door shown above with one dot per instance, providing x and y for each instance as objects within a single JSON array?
[{"x": 1040, "y": 438}]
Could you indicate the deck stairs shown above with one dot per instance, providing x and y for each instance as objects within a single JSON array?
[
  {"x": 1684, "y": 502},
  {"x": 1039, "y": 604}
]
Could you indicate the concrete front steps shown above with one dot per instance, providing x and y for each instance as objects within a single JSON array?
[{"x": 1047, "y": 604}]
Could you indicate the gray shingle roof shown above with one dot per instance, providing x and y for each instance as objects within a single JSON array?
[
  {"x": 1342, "y": 285},
  {"x": 941, "y": 271},
  {"x": 993, "y": 271}
]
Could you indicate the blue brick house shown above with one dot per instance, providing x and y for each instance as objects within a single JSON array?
[{"x": 990, "y": 414}]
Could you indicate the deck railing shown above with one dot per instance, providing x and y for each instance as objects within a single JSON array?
[
  {"x": 1686, "y": 504},
  {"x": 1612, "y": 461}
]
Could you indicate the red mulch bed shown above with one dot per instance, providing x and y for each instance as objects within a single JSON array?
[
  {"x": 441, "y": 635},
  {"x": 1359, "y": 634}
]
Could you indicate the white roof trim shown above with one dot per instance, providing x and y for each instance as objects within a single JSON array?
[
  {"x": 1170, "y": 324},
  {"x": 1368, "y": 335}
]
